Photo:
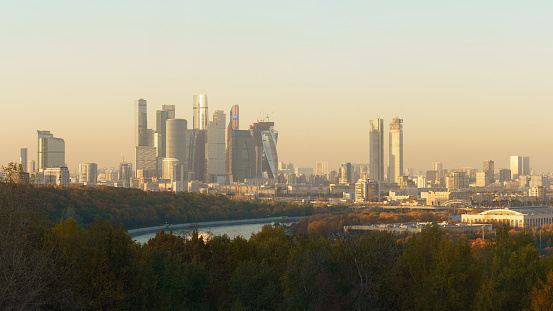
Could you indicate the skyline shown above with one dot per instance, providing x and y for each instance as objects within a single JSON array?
[{"x": 471, "y": 85}]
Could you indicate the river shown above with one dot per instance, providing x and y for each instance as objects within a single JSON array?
[{"x": 232, "y": 228}]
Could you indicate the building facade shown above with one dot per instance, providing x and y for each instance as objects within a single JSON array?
[
  {"x": 88, "y": 173},
  {"x": 51, "y": 151},
  {"x": 200, "y": 112},
  {"x": 395, "y": 160},
  {"x": 376, "y": 149}
]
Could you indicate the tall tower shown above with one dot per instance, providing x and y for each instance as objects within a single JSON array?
[
  {"x": 176, "y": 139},
  {"x": 526, "y": 165},
  {"x": 234, "y": 121},
  {"x": 215, "y": 147},
  {"x": 170, "y": 111},
  {"x": 395, "y": 160},
  {"x": 516, "y": 166},
  {"x": 376, "y": 149},
  {"x": 233, "y": 125},
  {"x": 51, "y": 151},
  {"x": 200, "y": 112},
  {"x": 265, "y": 138},
  {"x": 141, "y": 122},
  {"x": 489, "y": 169},
  {"x": 23, "y": 159}
]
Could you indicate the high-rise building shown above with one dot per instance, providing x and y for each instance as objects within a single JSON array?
[
  {"x": 125, "y": 172},
  {"x": 141, "y": 122},
  {"x": 376, "y": 149},
  {"x": 200, "y": 112},
  {"x": 526, "y": 165},
  {"x": 170, "y": 110},
  {"x": 176, "y": 130},
  {"x": 31, "y": 166},
  {"x": 215, "y": 147},
  {"x": 321, "y": 168},
  {"x": 489, "y": 170},
  {"x": 88, "y": 173},
  {"x": 51, "y": 151},
  {"x": 234, "y": 121},
  {"x": 437, "y": 166},
  {"x": 58, "y": 176},
  {"x": 504, "y": 175},
  {"x": 195, "y": 154},
  {"x": 241, "y": 155},
  {"x": 233, "y": 125},
  {"x": 345, "y": 174},
  {"x": 161, "y": 132},
  {"x": 265, "y": 139},
  {"x": 395, "y": 161},
  {"x": 367, "y": 189},
  {"x": 516, "y": 166},
  {"x": 457, "y": 180},
  {"x": 23, "y": 159},
  {"x": 146, "y": 161}
]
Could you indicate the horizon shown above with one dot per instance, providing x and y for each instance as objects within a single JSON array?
[{"x": 470, "y": 84}]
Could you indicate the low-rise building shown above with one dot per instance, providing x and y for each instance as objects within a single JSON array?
[{"x": 519, "y": 217}]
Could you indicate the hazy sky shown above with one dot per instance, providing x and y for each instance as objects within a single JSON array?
[{"x": 471, "y": 79}]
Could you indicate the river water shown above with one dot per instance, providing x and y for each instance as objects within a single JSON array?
[{"x": 233, "y": 230}]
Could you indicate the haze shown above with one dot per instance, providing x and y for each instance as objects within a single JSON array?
[{"x": 471, "y": 79}]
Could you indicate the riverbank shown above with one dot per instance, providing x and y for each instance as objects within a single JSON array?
[{"x": 209, "y": 224}]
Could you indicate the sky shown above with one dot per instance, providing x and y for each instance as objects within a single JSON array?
[{"x": 471, "y": 79}]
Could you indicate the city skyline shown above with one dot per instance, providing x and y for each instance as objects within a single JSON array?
[{"x": 470, "y": 84}]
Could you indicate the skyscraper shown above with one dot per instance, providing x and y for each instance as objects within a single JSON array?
[
  {"x": 376, "y": 149},
  {"x": 88, "y": 173},
  {"x": 489, "y": 170},
  {"x": 395, "y": 161},
  {"x": 516, "y": 166},
  {"x": 321, "y": 168},
  {"x": 161, "y": 132},
  {"x": 215, "y": 147},
  {"x": 23, "y": 159},
  {"x": 200, "y": 112},
  {"x": 176, "y": 139},
  {"x": 170, "y": 110},
  {"x": 345, "y": 174},
  {"x": 51, "y": 151},
  {"x": 233, "y": 125},
  {"x": 265, "y": 139},
  {"x": 526, "y": 165},
  {"x": 241, "y": 155},
  {"x": 141, "y": 122}
]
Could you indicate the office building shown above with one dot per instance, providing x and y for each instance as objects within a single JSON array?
[
  {"x": 200, "y": 112},
  {"x": 176, "y": 131},
  {"x": 526, "y": 165},
  {"x": 51, "y": 151},
  {"x": 265, "y": 139},
  {"x": 482, "y": 179},
  {"x": 395, "y": 161},
  {"x": 321, "y": 168},
  {"x": 23, "y": 159},
  {"x": 88, "y": 173},
  {"x": 195, "y": 154},
  {"x": 170, "y": 110},
  {"x": 161, "y": 132},
  {"x": 233, "y": 125},
  {"x": 141, "y": 122},
  {"x": 58, "y": 176},
  {"x": 516, "y": 166},
  {"x": 241, "y": 155},
  {"x": 376, "y": 149},
  {"x": 31, "y": 166},
  {"x": 125, "y": 172},
  {"x": 437, "y": 166},
  {"x": 489, "y": 170},
  {"x": 215, "y": 147},
  {"x": 146, "y": 161},
  {"x": 367, "y": 190},
  {"x": 504, "y": 175},
  {"x": 345, "y": 174},
  {"x": 457, "y": 180},
  {"x": 168, "y": 164}
]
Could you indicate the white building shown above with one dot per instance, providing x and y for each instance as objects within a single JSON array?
[
  {"x": 58, "y": 176},
  {"x": 88, "y": 173},
  {"x": 519, "y": 217},
  {"x": 395, "y": 155}
]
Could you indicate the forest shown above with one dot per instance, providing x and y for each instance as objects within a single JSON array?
[
  {"x": 135, "y": 208},
  {"x": 65, "y": 266}
]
